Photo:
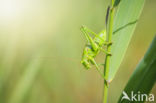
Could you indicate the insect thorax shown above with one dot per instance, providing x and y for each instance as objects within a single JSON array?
[{"x": 101, "y": 38}]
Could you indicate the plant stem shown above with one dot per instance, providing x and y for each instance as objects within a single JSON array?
[{"x": 107, "y": 60}]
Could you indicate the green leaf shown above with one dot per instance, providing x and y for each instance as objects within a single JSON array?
[
  {"x": 144, "y": 76},
  {"x": 125, "y": 22}
]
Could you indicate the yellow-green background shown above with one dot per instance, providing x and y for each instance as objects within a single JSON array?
[{"x": 41, "y": 47}]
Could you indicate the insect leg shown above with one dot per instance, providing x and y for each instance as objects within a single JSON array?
[
  {"x": 108, "y": 43},
  {"x": 97, "y": 67},
  {"x": 101, "y": 64},
  {"x": 108, "y": 53},
  {"x": 93, "y": 33},
  {"x": 90, "y": 40},
  {"x": 85, "y": 59},
  {"x": 89, "y": 30},
  {"x": 85, "y": 34}
]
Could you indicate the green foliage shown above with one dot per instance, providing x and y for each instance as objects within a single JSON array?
[
  {"x": 52, "y": 26},
  {"x": 119, "y": 32},
  {"x": 125, "y": 22},
  {"x": 144, "y": 76}
]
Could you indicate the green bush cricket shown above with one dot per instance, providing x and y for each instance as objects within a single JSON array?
[{"x": 93, "y": 47}]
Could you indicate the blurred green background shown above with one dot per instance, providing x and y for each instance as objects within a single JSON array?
[{"x": 41, "y": 47}]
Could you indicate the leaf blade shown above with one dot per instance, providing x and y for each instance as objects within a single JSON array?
[
  {"x": 125, "y": 22},
  {"x": 144, "y": 76}
]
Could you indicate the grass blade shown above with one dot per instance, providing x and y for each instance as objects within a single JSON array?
[
  {"x": 125, "y": 22},
  {"x": 25, "y": 82},
  {"x": 144, "y": 76}
]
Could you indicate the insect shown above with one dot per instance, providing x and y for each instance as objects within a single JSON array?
[{"x": 93, "y": 47}]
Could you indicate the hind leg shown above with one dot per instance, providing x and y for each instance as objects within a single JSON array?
[{"x": 89, "y": 38}]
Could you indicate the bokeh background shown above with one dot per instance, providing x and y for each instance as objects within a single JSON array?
[{"x": 41, "y": 47}]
